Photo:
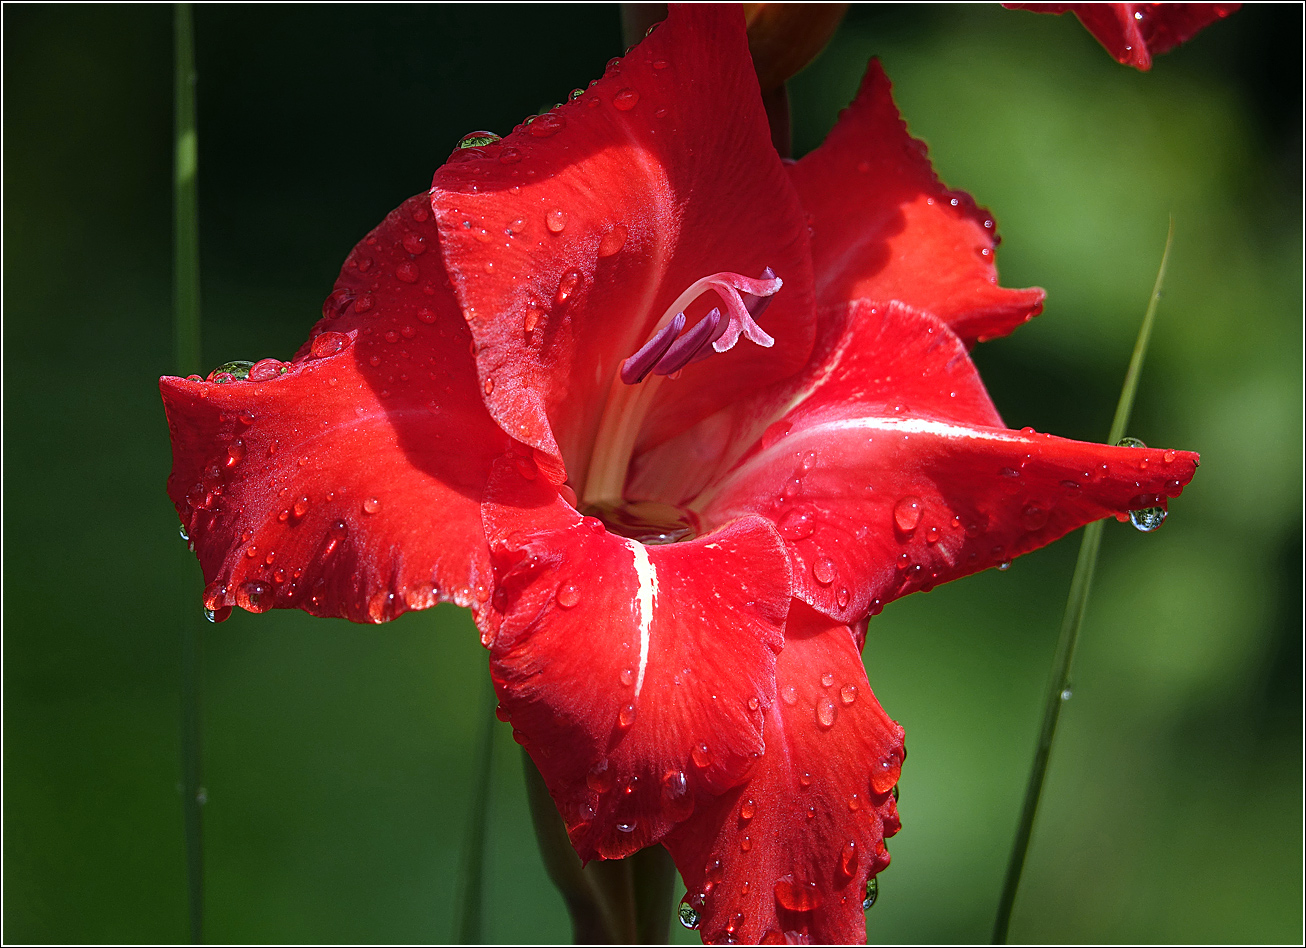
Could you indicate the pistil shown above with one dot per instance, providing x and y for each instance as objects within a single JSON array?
[{"x": 667, "y": 351}]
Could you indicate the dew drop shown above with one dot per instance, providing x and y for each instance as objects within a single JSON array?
[
  {"x": 753, "y": 703},
  {"x": 371, "y": 505},
  {"x": 789, "y": 695},
  {"x": 1147, "y": 519},
  {"x": 626, "y": 99},
  {"x": 848, "y": 858},
  {"x": 626, "y": 716},
  {"x": 408, "y": 272},
  {"x": 267, "y": 369},
  {"x": 747, "y": 809},
  {"x": 841, "y": 599},
  {"x": 299, "y": 507},
  {"x": 907, "y": 513},
  {"x": 701, "y": 755},
  {"x": 825, "y": 712},
  {"x": 567, "y": 286},
  {"x": 1033, "y": 517},
  {"x": 1004, "y": 565},
  {"x": 627, "y": 677},
  {"x": 235, "y": 453},
  {"x": 674, "y": 786},
  {"x": 568, "y": 595},
  {"x": 510, "y": 156},
  {"x": 626, "y": 827},
  {"x": 796, "y": 525},
  {"x": 613, "y": 240},
  {"x": 1067, "y": 694},
  {"x": 854, "y": 803},
  {"x": 478, "y": 140},
  {"x": 872, "y": 893},
  {"x": 1130, "y": 443},
  {"x": 556, "y": 220},
  {"x": 546, "y": 125},
  {"x": 746, "y": 843},
  {"x": 328, "y": 344},
  {"x": 823, "y": 571},
  {"x": 688, "y": 917},
  {"x": 827, "y": 679},
  {"x": 848, "y": 693},
  {"x": 797, "y": 896}
]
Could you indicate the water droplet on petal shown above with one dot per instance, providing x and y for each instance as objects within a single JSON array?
[
  {"x": 1147, "y": 519},
  {"x": 848, "y": 694},
  {"x": 796, "y": 525},
  {"x": 627, "y": 677},
  {"x": 688, "y": 917},
  {"x": 789, "y": 695},
  {"x": 626, "y": 827},
  {"x": 568, "y": 595},
  {"x": 907, "y": 513},
  {"x": 613, "y": 241},
  {"x": 872, "y": 893},
  {"x": 848, "y": 858},
  {"x": 1005, "y": 565},
  {"x": 1033, "y": 517},
  {"x": 556, "y": 220},
  {"x": 626, "y": 99},
  {"x": 328, "y": 344},
  {"x": 747, "y": 809},
  {"x": 827, "y": 679},
  {"x": 371, "y": 505},
  {"x": 797, "y": 896},
  {"x": 408, "y": 272},
  {"x": 746, "y": 843},
  {"x": 825, "y": 712},
  {"x": 546, "y": 125},
  {"x": 1066, "y": 694},
  {"x": 626, "y": 716},
  {"x": 823, "y": 571},
  {"x": 1130, "y": 443},
  {"x": 701, "y": 755}
]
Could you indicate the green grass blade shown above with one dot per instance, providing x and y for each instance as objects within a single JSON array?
[
  {"x": 1076, "y": 605},
  {"x": 469, "y": 927},
  {"x": 186, "y": 322}
]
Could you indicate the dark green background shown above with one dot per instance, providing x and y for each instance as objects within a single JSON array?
[{"x": 337, "y": 757}]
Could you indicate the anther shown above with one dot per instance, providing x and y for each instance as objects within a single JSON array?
[{"x": 642, "y": 362}]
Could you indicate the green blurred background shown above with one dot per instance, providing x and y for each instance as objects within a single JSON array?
[{"x": 337, "y": 757}]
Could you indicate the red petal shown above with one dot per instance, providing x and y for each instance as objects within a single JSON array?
[
  {"x": 875, "y": 502},
  {"x": 1134, "y": 32},
  {"x": 636, "y": 677},
  {"x": 351, "y": 485},
  {"x": 568, "y": 240},
  {"x": 885, "y": 228},
  {"x": 790, "y": 852}
]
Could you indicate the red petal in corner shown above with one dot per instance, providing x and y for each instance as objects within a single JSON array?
[
  {"x": 885, "y": 228},
  {"x": 879, "y": 491},
  {"x": 636, "y": 677},
  {"x": 351, "y": 484},
  {"x": 568, "y": 240},
  {"x": 1135, "y": 32},
  {"x": 787, "y": 856}
]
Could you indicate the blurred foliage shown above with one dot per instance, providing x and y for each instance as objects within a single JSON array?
[{"x": 338, "y": 757}]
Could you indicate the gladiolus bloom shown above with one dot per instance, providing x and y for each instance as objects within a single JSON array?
[{"x": 674, "y": 418}]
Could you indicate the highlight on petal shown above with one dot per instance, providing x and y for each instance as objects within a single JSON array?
[
  {"x": 346, "y": 482},
  {"x": 570, "y": 241},
  {"x": 787, "y": 856},
  {"x": 893, "y": 473},
  {"x": 1135, "y": 32},
  {"x": 637, "y": 677},
  {"x": 885, "y": 228}
]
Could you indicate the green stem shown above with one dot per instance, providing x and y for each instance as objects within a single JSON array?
[
  {"x": 610, "y": 901},
  {"x": 1072, "y": 621},
  {"x": 468, "y": 930},
  {"x": 186, "y": 322}
]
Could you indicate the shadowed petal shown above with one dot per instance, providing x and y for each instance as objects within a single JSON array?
[
  {"x": 790, "y": 852},
  {"x": 635, "y": 676},
  {"x": 568, "y": 241},
  {"x": 351, "y": 484}
]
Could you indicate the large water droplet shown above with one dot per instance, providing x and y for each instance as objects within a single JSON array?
[
  {"x": 688, "y": 917},
  {"x": 825, "y": 712},
  {"x": 613, "y": 241},
  {"x": 797, "y": 896},
  {"x": 328, "y": 344},
  {"x": 408, "y": 272},
  {"x": 907, "y": 513},
  {"x": 747, "y": 809},
  {"x": 872, "y": 893},
  {"x": 567, "y": 286},
  {"x": 848, "y": 694},
  {"x": 848, "y": 858},
  {"x": 546, "y": 125},
  {"x": 626, "y": 716},
  {"x": 568, "y": 595},
  {"x": 266, "y": 369},
  {"x": 701, "y": 755},
  {"x": 1130, "y": 443},
  {"x": 796, "y": 525},
  {"x": 371, "y": 505},
  {"x": 1148, "y": 518},
  {"x": 478, "y": 140},
  {"x": 626, "y": 99},
  {"x": 823, "y": 570},
  {"x": 627, "y": 677},
  {"x": 555, "y": 220}
]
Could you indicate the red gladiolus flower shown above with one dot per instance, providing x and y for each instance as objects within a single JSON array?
[
  {"x": 674, "y": 418},
  {"x": 1135, "y": 32}
]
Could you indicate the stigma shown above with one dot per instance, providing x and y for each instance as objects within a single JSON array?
[{"x": 672, "y": 347}]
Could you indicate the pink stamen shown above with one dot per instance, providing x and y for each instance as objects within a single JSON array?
[{"x": 743, "y": 299}]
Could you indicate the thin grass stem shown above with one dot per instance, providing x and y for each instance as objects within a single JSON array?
[
  {"x": 469, "y": 929},
  {"x": 186, "y": 328},
  {"x": 1072, "y": 621}
]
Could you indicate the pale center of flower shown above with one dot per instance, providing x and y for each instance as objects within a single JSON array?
[{"x": 667, "y": 351}]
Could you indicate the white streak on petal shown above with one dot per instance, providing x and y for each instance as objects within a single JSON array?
[{"x": 647, "y": 597}]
